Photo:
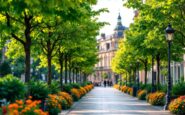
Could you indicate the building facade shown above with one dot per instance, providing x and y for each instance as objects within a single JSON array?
[{"x": 107, "y": 46}]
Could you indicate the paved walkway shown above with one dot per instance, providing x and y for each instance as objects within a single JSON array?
[{"x": 109, "y": 101}]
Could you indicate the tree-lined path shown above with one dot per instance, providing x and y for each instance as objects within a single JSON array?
[{"x": 111, "y": 101}]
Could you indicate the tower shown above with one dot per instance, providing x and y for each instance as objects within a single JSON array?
[{"x": 118, "y": 31}]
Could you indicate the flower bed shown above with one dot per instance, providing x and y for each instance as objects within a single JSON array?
[
  {"x": 141, "y": 94},
  {"x": 177, "y": 106},
  {"x": 53, "y": 104},
  {"x": 28, "y": 107},
  {"x": 88, "y": 87},
  {"x": 67, "y": 97},
  {"x": 75, "y": 94},
  {"x": 124, "y": 89},
  {"x": 130, "y": 91},
  {"x": 82, "y": 91},
  {"x": 116, "y": 86},
  {"x": 156, "y": 98}
]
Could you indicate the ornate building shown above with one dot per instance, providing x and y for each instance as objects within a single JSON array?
[{"x": 107, "y": 46}]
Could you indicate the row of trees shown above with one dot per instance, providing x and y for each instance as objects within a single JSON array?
[
  {"x": 52, "y": 32},
  {"x": 144, "y": 44}
]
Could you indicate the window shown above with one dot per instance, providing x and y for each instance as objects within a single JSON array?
[
  {"x": 116, "y": 45},
  {"x": 107, "y": 46},
  {"x": 98, "y": 47}
]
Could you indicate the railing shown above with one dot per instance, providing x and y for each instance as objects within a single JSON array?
[{"x": 102, "y": 68}]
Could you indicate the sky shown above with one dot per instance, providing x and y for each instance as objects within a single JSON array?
[{"x": 114, "y": 7}]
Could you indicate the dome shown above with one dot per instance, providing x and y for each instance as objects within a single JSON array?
[{"x": 119, "y": 27}]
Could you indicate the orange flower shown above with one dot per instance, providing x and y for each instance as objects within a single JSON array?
[
  {"x": 28, "y": 101},
  {"x": 13, "y": 106},
  {"x": 23, "y": 111},
  {"x": 38, "y": 101},
  {"x": 15, "y": 112},
  {"x": 30, "y": 97},
  {"x": 20, "y": 102},
  {"x": 75, "y": 92}
]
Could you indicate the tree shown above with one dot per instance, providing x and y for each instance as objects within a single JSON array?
[
  {"x": 21, "y": 18},
  {"x": 146, "y": 34}
]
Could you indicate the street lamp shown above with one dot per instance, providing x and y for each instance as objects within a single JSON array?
[{"x": 169, "y": 37}]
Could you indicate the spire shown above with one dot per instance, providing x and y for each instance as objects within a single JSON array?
[{"x": 119, "y": 17}]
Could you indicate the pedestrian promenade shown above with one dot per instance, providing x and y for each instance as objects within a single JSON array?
[{"x": 109, "y": 101}]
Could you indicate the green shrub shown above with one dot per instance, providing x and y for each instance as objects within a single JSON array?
[
  {"x": 64, "y": 105},
  {"x": 156, "y": 98},
  {"x": 178, "y": 89},
  {"x": 54, "y": 111},
  {"x": 75, "y": 85},
  {"x": 177, "y": 106},
  {"x": 86, "y": 83},
  {"x": 147, "y": 87},
  {"x": 5, "y": 68},
  {"x": 54, "y": 87},
  {"x": 142, "y": 94},
  {"x": 130, "y": 84},
  {"x": 38, "y": 90},
  {"x": 162, "y": 88},
  {"x": 1, "y": 111},
  {"x": 67, "y": 88},
  {"x": 11, "y": 88},
  {"x": 89, "y": 82}
]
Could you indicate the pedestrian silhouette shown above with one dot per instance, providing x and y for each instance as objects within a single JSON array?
[{"x": 104, "y": 83}]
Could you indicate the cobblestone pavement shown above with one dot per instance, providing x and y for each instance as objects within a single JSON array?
[{"x": 109, "y": 101}]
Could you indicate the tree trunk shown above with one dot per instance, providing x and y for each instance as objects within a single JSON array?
[
  {"x": 70, "y": 78},
  {"x": 27, "y": 43},
  {"x": 134, "y": 75},
  {"x": 65, "y": 68},
  {"x": 49, "y": 57},
  {"x": 85, "y": 77},
  {"x": 145, "y": 67},
  {"x": 158, "y": 69},
  {"x": 27, "y": 62},
  {"x": 153, "y": 87},
  {"x": 49, "y": 70},
  {"x": 73, "y": 75},
  {"x": 76, "y": 75},
  {"x": 69, "y": 65},
  {"x": 130, "y": 76},
  {"x": 27, "y": 47},
  {"x": 61, "y": 71},
  {"x": 126, "y": 79},
  {"x": 80, "y": 76}
]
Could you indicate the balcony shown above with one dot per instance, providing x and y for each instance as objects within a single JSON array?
[{"x": 102, "y": 68}]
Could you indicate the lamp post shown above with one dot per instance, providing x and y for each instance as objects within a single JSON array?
[{"x": 169, "y": 37}]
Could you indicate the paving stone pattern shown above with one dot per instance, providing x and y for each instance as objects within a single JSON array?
[{"x": 109, "y": 101}]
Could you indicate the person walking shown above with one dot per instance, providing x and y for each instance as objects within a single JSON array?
[
  {"x": 104, "y": 83},
  {"x": 108, "y": 83}
]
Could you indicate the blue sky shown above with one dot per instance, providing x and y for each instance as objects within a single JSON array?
[{"x": 114, "y": 7}]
